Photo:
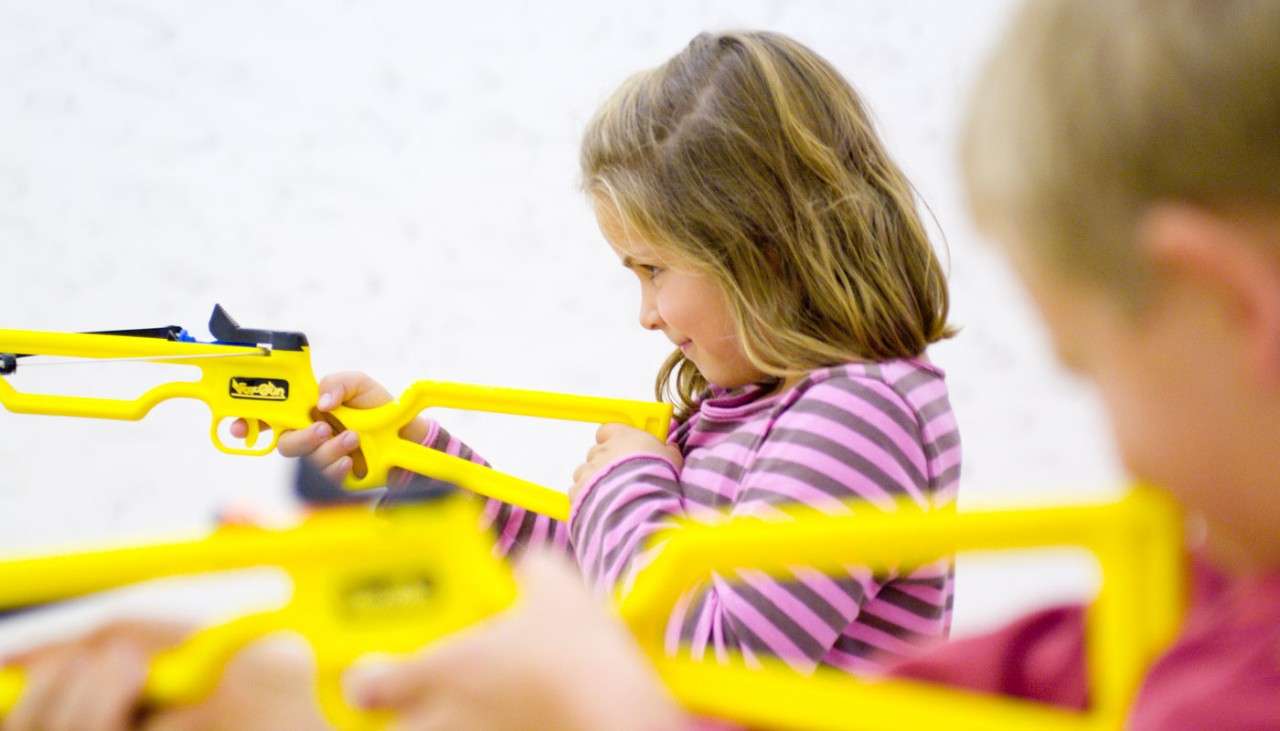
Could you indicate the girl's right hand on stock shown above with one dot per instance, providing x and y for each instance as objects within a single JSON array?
[{"x": 331, "y": 448}]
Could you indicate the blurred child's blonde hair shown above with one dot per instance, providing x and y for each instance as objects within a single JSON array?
[
  {"x": 748, "y": 157},
  {"x": 1088, "y": 112}
]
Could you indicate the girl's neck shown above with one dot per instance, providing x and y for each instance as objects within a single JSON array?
[
  {"x": 772, "y": 388},
  {"x": 788, "y": 383}
]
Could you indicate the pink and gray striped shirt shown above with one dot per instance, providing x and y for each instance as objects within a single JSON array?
[{"x": 875, "y": 433}]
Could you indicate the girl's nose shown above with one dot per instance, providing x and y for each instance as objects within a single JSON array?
[{"x": 649, "y": 319}]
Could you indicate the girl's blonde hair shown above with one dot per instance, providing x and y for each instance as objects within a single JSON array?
[
  {"x": 1088, "y": 112},
  {"x": 748, "y": 157}
]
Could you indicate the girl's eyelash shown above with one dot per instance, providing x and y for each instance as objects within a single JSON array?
[{"x": 650, "y": 270}]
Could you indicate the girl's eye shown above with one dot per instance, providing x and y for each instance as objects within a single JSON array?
[{"x": 650, "y": 271}]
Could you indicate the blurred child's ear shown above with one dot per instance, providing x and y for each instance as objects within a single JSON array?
[{"x": 1235, "y": 257}]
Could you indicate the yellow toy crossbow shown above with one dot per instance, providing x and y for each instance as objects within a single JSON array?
[
  {"x": 390, "y": 581},
  {"x": 395, "y": 581},
  {"x": 265, "y": 377}
]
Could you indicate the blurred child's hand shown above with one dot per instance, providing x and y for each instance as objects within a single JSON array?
[
  {"x": 95, "y": 682},
  {"x": 335, "y": 451},
  {"x": 614, "y": 441},
  {"x": 268, "y": 686},
  {"x": 557, "y": 660},
  {"x": 92, "y": 682}
]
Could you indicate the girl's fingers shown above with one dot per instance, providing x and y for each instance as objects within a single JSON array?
[
  {"x": 337, "y": 472},
  {"x": 334, "y": 389},
  {"x": 352, "y": 388},
  {"x": 584, "y": 472},
  {"x": 609, "y": 431},
  {"x": 302, "y": 442},
  {"x": 336, "y": 448},
  {"x": 239, "y": 428},
  {"x": 329, "y": 399}
]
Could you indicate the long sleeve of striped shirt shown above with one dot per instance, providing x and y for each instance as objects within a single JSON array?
[
  {"x": 869, "y": 433},
  {"x": 514, "y": 527},
  {"x": 866, "y": 434}
]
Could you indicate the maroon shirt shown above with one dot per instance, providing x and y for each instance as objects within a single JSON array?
[{"x": 1222, "y": 673}]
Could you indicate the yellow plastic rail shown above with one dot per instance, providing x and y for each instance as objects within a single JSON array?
[
  {"x": 1137, "y": 541},
  {"x": 277, "y": 387}
]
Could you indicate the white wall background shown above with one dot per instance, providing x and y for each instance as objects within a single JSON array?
[{"x": 397, "y": 180}]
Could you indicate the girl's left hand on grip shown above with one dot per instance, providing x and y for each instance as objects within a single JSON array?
[{"x": 615, "y": 441}]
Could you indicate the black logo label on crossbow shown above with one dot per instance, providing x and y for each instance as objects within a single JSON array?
[
  {"x": 262, "y": 389},
  {"x": 407, "y": 595}
]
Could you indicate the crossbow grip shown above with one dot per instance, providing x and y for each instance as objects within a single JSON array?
[{"x": 384, "y": 449}]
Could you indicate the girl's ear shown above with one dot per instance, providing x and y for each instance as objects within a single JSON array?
[{"x": 1236, "y": 257}]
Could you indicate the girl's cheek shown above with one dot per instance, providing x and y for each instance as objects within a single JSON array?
[
  {"x": 664, "y": 306},
  {"x": 677, "y": 303}
]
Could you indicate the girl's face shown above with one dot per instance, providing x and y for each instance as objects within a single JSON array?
[{"x": 689, "y": 307}]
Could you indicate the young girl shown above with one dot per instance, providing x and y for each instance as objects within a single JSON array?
[{"x": 779, "y": 249}]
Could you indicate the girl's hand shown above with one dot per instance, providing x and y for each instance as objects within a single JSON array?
[
  {"x": 614, "y": 441},
  {"x": 332, "y": 449},
  {"x": 556, "y": 660}
]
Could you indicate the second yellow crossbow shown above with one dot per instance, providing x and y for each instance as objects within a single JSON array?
[
  {"x": 396, "y": 580},
  {"x": 390, "y": 581},
  {"x": 265, "y": 377},
  {"x": 1136, "y": 540}
]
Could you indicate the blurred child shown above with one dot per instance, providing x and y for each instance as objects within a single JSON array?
[{"x": 1126, "y": 157}]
